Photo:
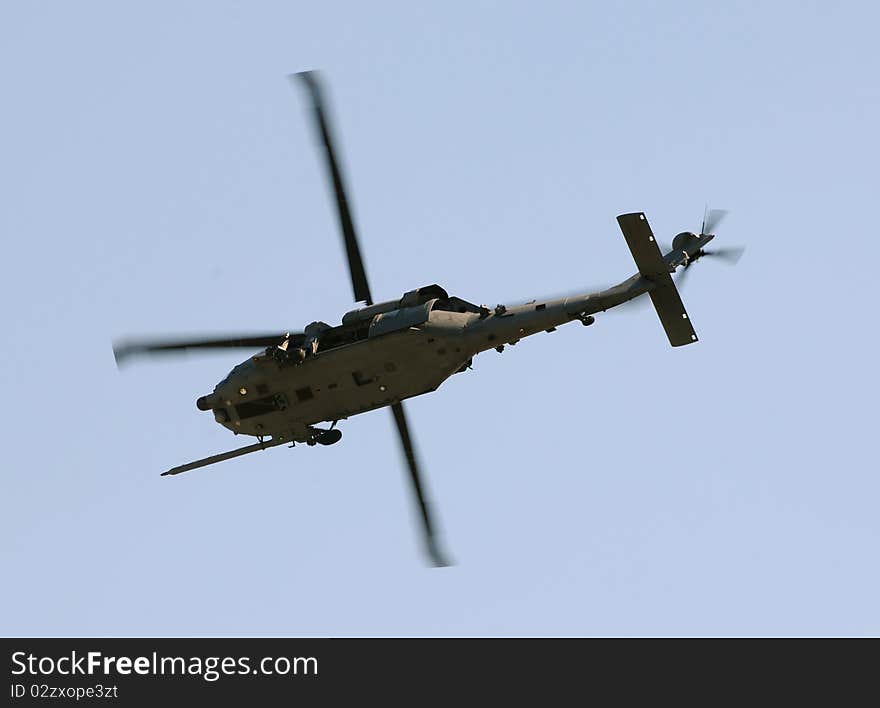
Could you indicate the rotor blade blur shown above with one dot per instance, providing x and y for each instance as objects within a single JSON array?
[
  {"x": 126, "y": 349},
  {"x": 713, "y": 218},
  {"x": 730, "y": 255},
  {"x": 349, "y": 236},
  {"x": 681, "y": 276},
  {"x": 415, "y": 475}
]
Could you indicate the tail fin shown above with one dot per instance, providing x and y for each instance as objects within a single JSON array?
[{"x": 652, "y": 266}]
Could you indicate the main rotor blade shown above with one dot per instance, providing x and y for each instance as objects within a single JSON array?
[
  {"x": 349, "y": 237},
  {"x": 124, "y": 350},
  {"x": 409, "y": 452}
]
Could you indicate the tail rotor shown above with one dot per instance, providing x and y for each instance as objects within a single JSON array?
[
  {"x": 729, "y": 255},
  {"x": 711, "y": 219}
]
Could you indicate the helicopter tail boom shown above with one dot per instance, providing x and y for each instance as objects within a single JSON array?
[{"x": 652, "y": 266}]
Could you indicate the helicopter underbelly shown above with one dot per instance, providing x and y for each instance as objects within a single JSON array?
[{"x": 341, "y": 382}]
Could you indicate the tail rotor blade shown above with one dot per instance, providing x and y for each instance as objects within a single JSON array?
[
  {"x": 415, "y": 476},
  {"x": 730, "y": 255},
  {"x": 712, "y": 219},
  {"x": 681, "y": 278},
  {"x": 349, "y": 236}
]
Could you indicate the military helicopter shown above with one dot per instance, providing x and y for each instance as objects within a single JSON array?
[{"x": 384, "y": 353}]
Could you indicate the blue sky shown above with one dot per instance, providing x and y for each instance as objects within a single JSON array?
[{"x": 159, "y": 176}]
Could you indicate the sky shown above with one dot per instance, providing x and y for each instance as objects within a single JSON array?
[{"x": 159, "y": 176}]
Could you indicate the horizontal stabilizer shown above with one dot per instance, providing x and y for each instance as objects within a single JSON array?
[
  {"x": 670, "y": 310},
  {"x": 651, "y": 265},
  {"x": 640, "y": 239}
]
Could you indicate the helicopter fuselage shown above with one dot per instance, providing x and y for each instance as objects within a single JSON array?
[{"x": 402, "y": 352}]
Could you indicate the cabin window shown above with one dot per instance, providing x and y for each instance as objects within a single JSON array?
[
  {"x": 305, "y": 393},
  {"x": 261, "y": 406}
]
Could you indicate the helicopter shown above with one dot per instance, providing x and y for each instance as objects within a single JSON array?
[{"x": 383, "y": 353}]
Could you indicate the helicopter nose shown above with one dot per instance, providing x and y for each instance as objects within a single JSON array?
[{"x": 237, "y": 384}]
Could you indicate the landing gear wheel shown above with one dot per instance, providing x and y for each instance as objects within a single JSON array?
[
  {"x": 324, "y": 437},
  {"x": 328, "y": 437}
]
